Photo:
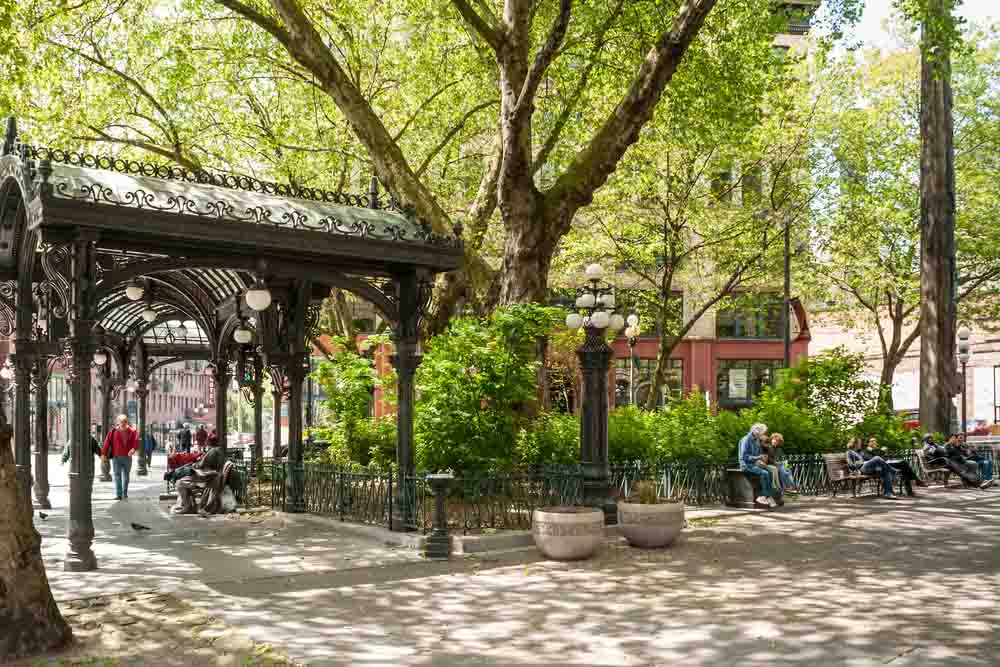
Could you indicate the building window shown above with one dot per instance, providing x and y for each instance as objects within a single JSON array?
[
  {"x": 752, "y": 317},
  {"x": 740, "y": 382},
  {"x": 644, "y": 370}
]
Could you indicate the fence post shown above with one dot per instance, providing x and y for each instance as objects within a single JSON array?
[{"x": 388, "y": 516}]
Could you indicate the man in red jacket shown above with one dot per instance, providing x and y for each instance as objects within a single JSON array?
[{"x": 121, "y": 445}]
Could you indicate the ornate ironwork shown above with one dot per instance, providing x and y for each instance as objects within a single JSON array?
[
  {"x": 415, "y": 231},
  {"x": 54, "y": 256},
  {"x": 8, "y": 289}
]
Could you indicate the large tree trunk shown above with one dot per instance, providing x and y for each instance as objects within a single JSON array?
[
  {"x": 937, "y": 226},
  {"x": 889, "y": 365},
  {"x": 30, "y": 622}
]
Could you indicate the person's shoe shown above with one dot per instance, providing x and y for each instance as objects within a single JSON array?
[
  {"x": 920, "y": 482},
  {"x": 118, "y": 497},
  {"x": 891, "y": 496},
  {"x": 792, "y": 491},
  {"x": 762, "y": 500},
  {"x": 987, "y": 484},
  {"x": 125, "y": 497},
  {"x": 772, "y": 503}
]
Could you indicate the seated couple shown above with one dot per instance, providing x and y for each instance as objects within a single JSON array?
[
  {"x": 759, "y": 458},
  {"x": 870, "y": 461},
  {"x": 964, "y": 462}
]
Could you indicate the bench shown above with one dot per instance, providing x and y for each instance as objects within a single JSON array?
[
  {"x": 743, "y": 491},
  {"x": 839, "y": 474},
  {"x": 928, "y": 471}
]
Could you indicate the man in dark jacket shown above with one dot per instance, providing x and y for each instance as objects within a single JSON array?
[
  {"x": 201, "y": 437},
  {"x": 936, "y": 455},
  {"x": 184, "y": 439}
]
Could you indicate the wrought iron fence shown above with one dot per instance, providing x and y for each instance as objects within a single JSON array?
[
  {"x": 495, "y": 500},
  {"x": 505, "y": 499}
]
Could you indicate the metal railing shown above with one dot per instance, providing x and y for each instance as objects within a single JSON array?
[{"x": 504, "y": 499}]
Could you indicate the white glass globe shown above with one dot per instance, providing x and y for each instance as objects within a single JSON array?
[
  {"x": 243, "y": 335},
  {"x": 149, "y": 314},
  {"x": 100, "y": 358},
  {"x": 594, "y": 272},
  {"x": 6, "y": 373},
  {"x": 134, "y": 291},
  {"x": 633, "y": 319},
  {"x": 258, "y": 298},
  {"x": 964, "y": 333},
  {"x": 574, "y": 321},
  {"x": 586, "y": 300},
  {"x": 600, "y": 319},
  {"x": 182, "y": 331},
  {"x": 607, "y": 301},
  {"x": 617, "y": 322}
]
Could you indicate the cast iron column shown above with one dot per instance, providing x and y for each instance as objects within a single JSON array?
[
  {"x": 276, "y": 435},
  {"x": 80, "y": 528},
  {"x": 595, "y": 358},
  {"x": 23, "y": 364},
  {"x": 141, "y": 395},
  {"x": 405, "y": 361},
  {"x": 295, "y": 501},
  {"x": 105, "y": 389},
  {"x": 41, "y": 385},
  {"x": 222, "y": 378},
  {"x": 258, "y": 412}
]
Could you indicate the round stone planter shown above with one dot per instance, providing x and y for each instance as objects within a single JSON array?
[
  {"x": 568, "y": 533},
  {"x": 650, "y": 526}
]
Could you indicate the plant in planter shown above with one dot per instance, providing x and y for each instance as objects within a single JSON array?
[
  {"x": 646, "y": 521},
  {"x": 568, "y": 533}
]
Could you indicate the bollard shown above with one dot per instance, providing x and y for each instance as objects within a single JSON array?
[{"x": 438, "y": 544}]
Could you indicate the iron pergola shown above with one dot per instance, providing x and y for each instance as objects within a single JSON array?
[{"x": 82, "y": 235}]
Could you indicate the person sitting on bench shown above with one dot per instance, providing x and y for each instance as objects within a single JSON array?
[
  {"x": 209, "y": 474},
  {"x": 780, "y": 475},
  {"x": 936, "y": 455},
  {"x": 984, "y": 462},
  {"x": 901, "y": 467},
  {"x": 752, "y": 463},
  {"x": 874, "y": 467}
]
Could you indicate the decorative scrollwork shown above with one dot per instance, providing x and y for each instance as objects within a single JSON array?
[
  {"x": 408, "y": 229},
  {"x": 53, "y": 257},
  {"x": 7, "y": 291}
]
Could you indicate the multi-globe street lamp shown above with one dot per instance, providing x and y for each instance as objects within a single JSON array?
[
  {"x": 632, "y": 333},
  {"x": 964, "y": 354},
  {"x": 594, "y": 312}
]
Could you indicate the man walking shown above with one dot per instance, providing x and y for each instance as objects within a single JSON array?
[
  {"x": 201, "y": 438},
  {"x": 120, "y": 446},
  {"x": 184, "y": 439}
]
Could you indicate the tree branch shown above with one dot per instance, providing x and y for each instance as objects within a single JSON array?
[
  {"x": 594, "y": 164},
  {"x": 490, "y": 34},
  {"x": 526, "y": 98},
  {"x": 455, "y": 129}
]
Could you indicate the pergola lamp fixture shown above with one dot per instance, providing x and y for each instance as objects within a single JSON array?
[
  {"x": 149, "y": 315},
  {"x": 100, "y": 357},
  {"x": 242, "y": 335},
  {"x": 599, "y": 301},
  {"x": 6, "y": 372},
  {"x": 134, "y": 290},
  {"x": 258, "y": 297}
]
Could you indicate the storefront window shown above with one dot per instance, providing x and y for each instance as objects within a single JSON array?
[
  {"x": 643, "y": 374},
  {"x": 739, "y": 382},
  {"x": 752, "y": 317}
]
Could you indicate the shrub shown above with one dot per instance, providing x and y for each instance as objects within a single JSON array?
[
  {"x": 473, "y": 384},
  {"x": 630, "y": 437},
  {"x": 687, "y": 430},
  {"x": 887, "y": 429},
  {"x": 802, "y": 431},
  {"x": 551, "y": 439},
  {"x": 729, "y": 428}
]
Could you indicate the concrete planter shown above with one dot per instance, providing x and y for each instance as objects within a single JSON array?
[
  {"x": 568, "y": 533},
  {"x": 650, "y": 526}
]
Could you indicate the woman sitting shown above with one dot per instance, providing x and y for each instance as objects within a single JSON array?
[
  {"x": 782, "y": 478},
  {"x": 875, "y": 466},
  {"x": 902, "y": 467}
]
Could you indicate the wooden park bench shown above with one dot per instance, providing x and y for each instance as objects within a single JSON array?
[
  {"x": 928, "y": 471},
  {"x": 839, "y": 474}
]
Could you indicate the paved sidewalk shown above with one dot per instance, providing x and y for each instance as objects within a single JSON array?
[{"x": 823, "y": 582}]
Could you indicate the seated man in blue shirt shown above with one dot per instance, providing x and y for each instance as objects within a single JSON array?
[{"x": 751, "y": 459}]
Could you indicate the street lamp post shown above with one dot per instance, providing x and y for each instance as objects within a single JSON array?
[
  {"x": 594, "y": 313},
  {"x": 964, "y": 353},
  {"x": 632, "y": 332}
]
